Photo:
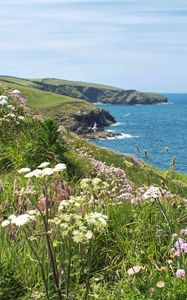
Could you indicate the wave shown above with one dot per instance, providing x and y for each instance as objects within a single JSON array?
[
  {"x": 164, "y": 103},
  {"x": 110, "y": 130},
  {"x": 118, "y": 124},
  {"x": 127, "y": 136},
  {"x": 120, "y": 137}
]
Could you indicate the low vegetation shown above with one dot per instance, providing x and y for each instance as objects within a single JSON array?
[{"x": 81, "y": 222}]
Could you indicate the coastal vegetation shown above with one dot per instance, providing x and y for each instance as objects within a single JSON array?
[{"x": 78, "y": 221}]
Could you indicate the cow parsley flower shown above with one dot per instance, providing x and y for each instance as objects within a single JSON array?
[
  {"x": 97, "y": 220},
  {"x": 21, "y": 118},
  {"x": 24, "y": 170},
  {"x": 43, "y": 165},
  {"x": 152, "y": 193},
  {"x": 21, "y": 220},
  {"x": 35, "y": 173},
  {"x": 59, "y": 167},
  {"x": 46, "y": 172},
  {"x": 3, "y": 102},
  {"x": 16, "y": 92},
  {"x": 5, "y": 223}
]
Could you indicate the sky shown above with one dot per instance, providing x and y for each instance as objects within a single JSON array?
[{"x": 132, "y": 44}]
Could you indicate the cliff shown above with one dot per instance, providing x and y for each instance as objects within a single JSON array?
[
  {"x": 97, "y": 93},
  {"x": 75, "y": 114}
]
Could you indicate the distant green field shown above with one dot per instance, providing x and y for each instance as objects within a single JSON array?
[
  {"x": 46, "y": 102},
  {"x": 72, "y": 83}
]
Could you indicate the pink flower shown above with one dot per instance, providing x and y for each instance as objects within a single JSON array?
[
  {"x": 170, "y": 261},
  {"x": 184, "y": 247},
  {"x": 183, "y": 231},
  {"x": 180, "y": 273},
  {"x": 176, "y": 253},
  {"x": 179, "y": 243}
]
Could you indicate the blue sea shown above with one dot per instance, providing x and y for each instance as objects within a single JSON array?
[{"x": 160, "y": 129}]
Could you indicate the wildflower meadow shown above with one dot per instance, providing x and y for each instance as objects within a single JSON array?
[{"x": 80, "y": 222}]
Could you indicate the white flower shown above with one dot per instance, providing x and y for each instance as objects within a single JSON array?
[
  {"x": 3, "y": 98},
  {"x": 3, "y": 102},
  {"x": 5, "y": 223},
  {"x": 16, "y": 92},
  {"x": 35, "y": 173},
  {"x": 33, "y": 212},
  {"x": 11, "y": 107},
  {"x": 63, "y": 204},
  {"x": 59, "y": 167},
  {"x": 11, "y": 115},
  {"x": 21, "y": 118},
  {"x": 89, "y": 235},
  {"x": 43, "y": 165},
  {"x": 96, "y": 219},
  {"x": 134, "y": 270},
  {"x": 11, "y": 217},
  {"x": 96, "y": 181},
  {"x": 85, "y": 183},
  {"x": 78, "y": 236},
  {"x": 24, "y": 170},
  {"x": 47, "y": 172},
  {"x": 21, "y": 220},
  {"x": 152, "y": 193}
]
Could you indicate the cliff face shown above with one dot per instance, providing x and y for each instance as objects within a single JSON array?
[
  {"x": 104, "y": 95},
  {"x": 87, "y": 122}
]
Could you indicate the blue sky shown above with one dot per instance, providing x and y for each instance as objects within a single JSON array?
[{"x": 139, "y": 44}]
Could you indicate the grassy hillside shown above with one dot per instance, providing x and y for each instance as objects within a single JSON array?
[
  {"x": 84, "y": 225},
  {"x": 73, "y": 83},
  {"x": 45, "y": 102}
]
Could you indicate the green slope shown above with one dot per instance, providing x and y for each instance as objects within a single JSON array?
[
  {"x": 46, "y": 102},
  {"x": 55, "y": 81}
]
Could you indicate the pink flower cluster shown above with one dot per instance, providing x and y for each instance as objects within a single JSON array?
[
  {"x": 180, "y": 247},
  {"x": 23, "y": 103}
]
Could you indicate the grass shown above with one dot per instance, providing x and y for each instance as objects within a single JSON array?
[
  {"x": 50, "y": 104},
  {"x": 136, "y": 235},
  {"x": 73, "y": 83}
]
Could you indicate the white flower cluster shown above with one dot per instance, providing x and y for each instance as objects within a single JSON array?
[
  {"x": 3, "y": 100},
  {"x": 82, "y": 235},
  {"x": 97, "y": 220},
  {"x": 152, "y": 193},
  {"x": 95, "y": 184},
  {"x": 21, "y": 219},
  {"x": 43, "y": 170},
  {"x": 72, "y": 202}
]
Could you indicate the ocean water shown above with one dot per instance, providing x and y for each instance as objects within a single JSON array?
[{"x": 153, "y": 128}]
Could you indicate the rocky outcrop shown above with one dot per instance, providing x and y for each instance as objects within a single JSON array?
[
  {"x": 104, "y": 95},
  {"x": 87, "y": 122}
]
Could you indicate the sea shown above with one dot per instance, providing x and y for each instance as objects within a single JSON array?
[{"x": 158, "y": 129}]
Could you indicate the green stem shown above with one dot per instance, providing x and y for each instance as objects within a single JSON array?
[
  {"x": 164, "y": 214},
  {"x": 69, "y": 267},
  {"x": 50, "y": 248},
  {"x": 89, "y": 272},
  {"x": 40, "y": 264}
]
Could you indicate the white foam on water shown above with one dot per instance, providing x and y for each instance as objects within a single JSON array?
[
  {"x": 118, "y": 124},
  {"x": 120, "y": 137},
  {"x": 127, "y": 136}
]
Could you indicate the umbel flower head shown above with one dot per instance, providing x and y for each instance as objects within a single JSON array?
[
  {"x": 152, "y": 193},
  {"x": 20, "y": 220},
  {"x": 97, "y": 220},
  {"x": 43, "y": 170}
]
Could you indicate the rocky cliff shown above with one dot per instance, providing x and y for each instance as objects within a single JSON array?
[
  {"x": 87, "y": 122},
  {"x": 103, "y": 95}
]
